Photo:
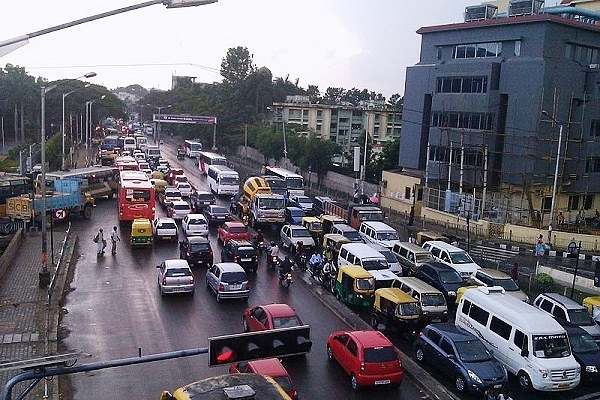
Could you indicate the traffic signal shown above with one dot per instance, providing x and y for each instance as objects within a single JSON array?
[{"x": 262, "y": 344}]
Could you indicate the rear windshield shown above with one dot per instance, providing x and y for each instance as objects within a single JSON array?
[
  {"x": 422, "y": 258},
  {"x": 238, "y": 229},
  {"x": 181, "y": 207},
  {"x": 200, "y": 247},
  {"x": 433, "y": 299},
  {"x": 380, "y": 354},
  {"x": 205, "y": 197},
  {"x": 172, "y": 193},
  {"x": 167, "y": 225},
  {"x": 218, "y": 210},
  {"x": 300, "y": 233},
  {"x": 196, "y": 221},
  {"x": 246, "y": 251},
  {"x": 580, "y": 317},
  {"x": 175, "y": 272},
  {"x": 234, "y": 277},
  {"x": 286, "y": 322}
]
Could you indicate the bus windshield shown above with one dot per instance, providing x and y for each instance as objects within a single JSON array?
[
  {"x": 295, "y": 183},
  {"x": 229, "y": 180}
]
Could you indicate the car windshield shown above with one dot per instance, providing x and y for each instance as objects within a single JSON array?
[
  {"x": 234, "y": 277},
  {"x": 551, "y": 346},
  {"x": 175, "y": 272},
  {"x": 460, "y": 257},
  {"x": 389, "y": 256},
  {"x": 353, "y": 236},
  {"x": 297, "y": 212},
  {"x": 295, "y": 183},
  {"x": 583, "y": 342},
  {"x": 199, "y": 246},
  {"x": 372, "y": 265},
  {"x": 270, "y": 204},
  {"x": 450, "y": 277},
  {"x": 196, "y": 221},
  {"x": 580, "y": 317},
  {"x": 238, "y": 229},
  {"x": 380, "y": 354},
  {"x": 387, "y": 236},
  {"x": 365, "y": 283},
  {"x": 286, "y": 322},
  {"x": 508, "y": 284},
  {"x": 433, "y": 299},
  {"x": 472, "y": 351},
  {"x": 300, "y": 233},
  {"x": 283, "y": 381},
  {"x": 408, "y": 308}
]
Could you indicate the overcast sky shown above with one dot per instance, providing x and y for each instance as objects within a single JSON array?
[{"x": 366, "y": 44}]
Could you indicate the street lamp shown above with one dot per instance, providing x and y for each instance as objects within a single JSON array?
[
  {"x": 88, "y": 75},
  {"x": 88, "y": 128},
  {"x": 560, "y": 133},
  {"x": 157, "y": 133}
]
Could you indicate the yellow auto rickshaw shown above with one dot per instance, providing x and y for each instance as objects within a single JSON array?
[
  {"x": 159, "y": 185},
  {"x": 328, "y": 220},
  {"x": 461, "y": 290},
  {"x": 157, "y": 175},
  {"x": 395, "y": 310},
  {"x": 592, "y": 303},
  {"x": 314, "y": 226},
  {"x": 141, "y": 232},
  {"x": 425, "y": 236},
  {"x": 331, "y": 245},
  {"x": 355, "y": 286}
]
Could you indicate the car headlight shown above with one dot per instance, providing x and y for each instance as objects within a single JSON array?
[
  {"x": 474, "y": 376},
  {"x": 544, "y": 373},
  {"x": 591, "y": 369},
  {"x": 451, "y": 293}
]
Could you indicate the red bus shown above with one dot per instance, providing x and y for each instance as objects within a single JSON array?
[
  {"x": 127, "y": 163},
  {"x": 136, "y": 197}
]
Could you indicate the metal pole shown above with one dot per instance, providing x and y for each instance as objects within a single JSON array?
[
  {"x": 576, "y": 267},
  {"x": 364, "y": 172},
  {"x": 560, "y": 133},
  {"x": 62, "y": 131},
  {"x": 44, "y": 275}
]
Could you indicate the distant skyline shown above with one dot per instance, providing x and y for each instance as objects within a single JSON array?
[{"x": 336, "y": 43}]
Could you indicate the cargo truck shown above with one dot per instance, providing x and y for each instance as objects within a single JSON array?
[
  {"x": 355, "y": 213},
  {"x": 259, "y": 204}
]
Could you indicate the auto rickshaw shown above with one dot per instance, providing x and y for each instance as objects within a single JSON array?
[
  {"x": 355, "y": 286},
  {"x": 332, "y": 243},
  {"x": 425, "y": 236},
  {"x": 461, "y": 290},
  {"x": 592, "y": 303},
  {"x": 395, "y": 310},
  {"x": 180, "y": 154},
  {"x": 159, "y": 185},
  {"x": 157, "y": 175},
  {"x": 314, "y": 226},
  {"x": 328, "y": 220},
  {"x": 141, "y": 232}
]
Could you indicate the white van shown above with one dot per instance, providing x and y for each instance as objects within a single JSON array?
[
  {"x": 529, "y": 342},
  {"x": 432, "y": 302},
  {"x": 391, "y": 259},
  {"x": 368, "y": 258},
  {"x": 453, "y": 256},
  {"x": 379, "y": 233},
  {"x": 129, "y": 143},
  {"x": 411, "y": 256}
]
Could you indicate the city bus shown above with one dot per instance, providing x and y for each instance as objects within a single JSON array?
[
  {"x": 222, "y": 180},
  {"x": 98, "y": 181},
  {"x": 294, "y": 182},
  {"x": 110, "y": 147},
  {"x": 136, "y": 196},
  {"x": 192, "y": 148},
  {"x": 206, "y": 159},
  {"x": 12, "y": 186},
  {"x": 126, "y": 163}
]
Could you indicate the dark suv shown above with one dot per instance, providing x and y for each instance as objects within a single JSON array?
[
  {"x": 442, "y": 277},
  {"x": 241, "y": 252},
  {"x": 199, "y": 200},
  {"x": 196, "y": 250}
]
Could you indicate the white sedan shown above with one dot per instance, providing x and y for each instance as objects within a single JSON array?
[
  {"x": 184, "y": 188},
  {"x": 290, "y": 235},
  {"x": 195, "y": 224}
]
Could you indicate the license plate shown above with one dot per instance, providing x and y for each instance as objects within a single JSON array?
[
  {"x": 564, "y": 385},
  {"x": 383, "y": 382},
  {"x": 220, "y": 217},
  {"x": 166, "y": 237},
  {"x": 436, "y": 320},
  {"x": 497, "y": 386},
  {"x": 235, "y": 287},
  {"x": 246, "y": 259}
]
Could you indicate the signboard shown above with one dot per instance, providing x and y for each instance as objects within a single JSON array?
[
  {"x": 60, "y": 214},
  {"x": 185, "y": 119}
]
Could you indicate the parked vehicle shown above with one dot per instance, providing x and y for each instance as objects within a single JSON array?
[
  {"x": 411, "y": 257},
  {"x": 432, "y": 302},
  {"x": 442, "y": 277},
  {"x": 462, "y": 356},
  {"x": 355, "y": 286},
  {"x": 141, "y": 232},
  {"x": 228, "y": 280},
  {"x": 216, "y": 215},
  {"x": 175, "y": 276},
  {"x": 367, "y": 356},
  {"x": 241, "y": 252},
  {"x": 194, "y": 224},
  {"x": 379, "y": 233},
  {"x": 196, "y": 250},
  {"x": 395, "y": 310},
  {"x": 291, "y": 235}
]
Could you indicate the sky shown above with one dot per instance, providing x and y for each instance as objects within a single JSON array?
[{"x": 363, "y": 44}]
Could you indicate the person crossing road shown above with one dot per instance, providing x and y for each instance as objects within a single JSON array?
[{"x": 114, "y": 238}]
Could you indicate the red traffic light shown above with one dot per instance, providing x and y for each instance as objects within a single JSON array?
[{"x": 226, "y": 355}]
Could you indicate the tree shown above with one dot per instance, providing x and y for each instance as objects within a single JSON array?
[
  {"x": 385, "y": 160},
  {"x": 237, "y": 65}
]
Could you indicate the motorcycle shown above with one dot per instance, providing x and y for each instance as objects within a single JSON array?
[
  {"x": 273, "y": 262},
  {"x": 328, "y": 276},
  {"x": 260, "y": 247},
  {"x": 285, "y": 279},
  {"x": 316, "y": 271},
  {"x": 300, "y": 262}
]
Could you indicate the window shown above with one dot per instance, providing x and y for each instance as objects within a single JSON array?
[
  {"x": 573, "y": 203},
  {"x": 479, "y": 314},
  {"x": 434, "y": 336},
  {"x": 517, "y": 48},
  {"x": 592, "y": 164},
  {"x": 352, "y": 347},
  {"x": 546, "y": 306},
  {"x": 478, "y": 50},
  {"x": 447, "y": 347},
  {"x": 595, "y": 127},
  {"x": 559, "y": 313},
  {"x": 467, "y": 84},
  {"x": 500, "y": 327},
  {"x": 520, "y": 340}
]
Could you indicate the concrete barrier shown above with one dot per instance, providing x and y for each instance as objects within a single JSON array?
[{"x": 10, "y": 251}]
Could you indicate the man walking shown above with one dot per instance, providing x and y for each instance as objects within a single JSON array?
[
  {"x": 114, "y": 238},
  {"x": 100, "y": 242}
]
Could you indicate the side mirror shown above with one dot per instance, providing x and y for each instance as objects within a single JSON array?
[{"x": 158, "y": 266}]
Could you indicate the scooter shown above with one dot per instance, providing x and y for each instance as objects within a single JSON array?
[
  {"x": 285, "y": 279},
  {"x": 300, "y": 262},
  {"x": 260, "y": 247},
  {"x": 316, "y": 271},
  {"x": 273, "y": 262}
]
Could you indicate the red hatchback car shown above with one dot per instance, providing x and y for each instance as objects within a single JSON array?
[
  {"x": 368, "y": 356},
  {"x": 233, "y": 230},
  {"x": 270, "y": 316},
  {"x": 271, "y": 367}
]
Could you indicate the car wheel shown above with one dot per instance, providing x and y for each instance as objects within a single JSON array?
[
  {"x": 524, "y": 381},
  {"x": 460, "y": 384},
  {"x": 329, "y": 353},
  {"x": 354, "y": 382},
  {"x": 419, "y": 354},
  {"x": 207, "y": 285}
]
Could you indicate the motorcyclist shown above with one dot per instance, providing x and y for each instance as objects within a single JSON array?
[
  {"x": 258, "y": 239},
  {"x": 328, "y": 272},
  {"x": 315, "y": 261},
  {"x": 299, "y": 254},
  {"x": 285, "y": 267},
  {"x": 329, "y": 252},
  {"x": 274, "y": 250}
]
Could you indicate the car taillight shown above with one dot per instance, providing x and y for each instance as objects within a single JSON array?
[
  {"x": 164, "y": 281},
  {"x": 192, "y": 279},
  {"x": 362, "y": 366},
  {"x": 189, "y": 252}
]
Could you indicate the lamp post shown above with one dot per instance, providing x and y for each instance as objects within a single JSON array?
[
  {"x": 552, "y": 204},
  {"x": 88, "y": 128},
  {"x": 88, "y": 75},
  {"x": 157, "y": 133}
]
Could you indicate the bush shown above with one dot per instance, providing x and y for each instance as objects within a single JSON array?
[{"x": 544, "y": 282}]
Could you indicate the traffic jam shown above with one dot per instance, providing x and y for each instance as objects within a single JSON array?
[{"x": 474, "y": 325}]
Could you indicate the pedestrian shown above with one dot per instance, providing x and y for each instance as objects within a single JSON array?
[
  {"x": 114, "y": 238},
  {"x": 100, "y": 242},
  {"x": 514, "y": 272},
  {"x": 560, "y": 219},
  {"x": 540, "y": 249},
  {"x": 411, "y": 216},
  {"x": 411, "y": 239}
]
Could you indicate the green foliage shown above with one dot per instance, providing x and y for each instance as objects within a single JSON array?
[
  {"x": 237, "y": 65},
  {"x": 544, "y": 282},
  {"x": 386, "y": 160}
]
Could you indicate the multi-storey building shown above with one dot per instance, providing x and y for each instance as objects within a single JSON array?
[{"x": 501, "y": 104}]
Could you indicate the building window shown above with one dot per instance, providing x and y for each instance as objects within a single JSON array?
[
  {"x": 582, "y": 54},
  {"x": 469, "y": 84},
  {"x": 439, "y": 53},
  {"x": 465, "y": 120},
  {"x": 478, "y": 50},
  {"x": 595, "y": 129},
  {"x": 592, "y": 164},
  {"x": 517, "y": 48},
  {"x": 573, "y": 202},
  {"x": 588, "y": 201}
]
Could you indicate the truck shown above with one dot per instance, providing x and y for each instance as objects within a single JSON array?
[
  {"x": 152, "y": 153},
  {"x": 354, "y": 214},
  {"x": 260, "y": 204},
  {"x": 63, "y": 199}
]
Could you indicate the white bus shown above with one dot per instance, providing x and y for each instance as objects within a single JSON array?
[
  {"x": 294, "y": 182},
  {"x": 192, "y": 148},
  {"x": 206, "y": 159},
  {"x": 98, "y": 181},
  {"x": 222, "y": 180}
]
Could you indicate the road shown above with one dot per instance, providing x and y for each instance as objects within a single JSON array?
[{"x": 114, "y": 311}]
